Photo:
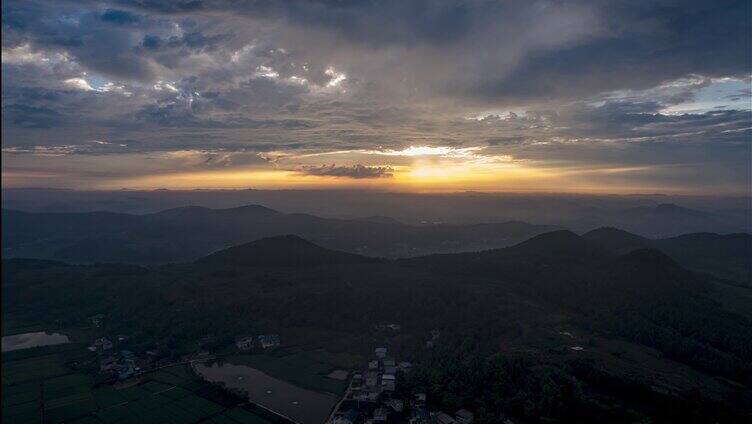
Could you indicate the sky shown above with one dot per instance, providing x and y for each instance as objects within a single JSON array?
[{"x": 425, "y": 96}]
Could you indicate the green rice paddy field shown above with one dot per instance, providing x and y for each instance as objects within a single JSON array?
[{"x": 38, "y": 386}]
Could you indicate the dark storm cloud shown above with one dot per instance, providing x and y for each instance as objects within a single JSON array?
[
  {"x": 356, "y": 171},
  {"x": 100, "y": 42},
  {"x": 647, "y": 43},
  {"x": 624, "y": 45},
  {"x": 31, "y": 117},
  {"x": 119, "y": 17}
]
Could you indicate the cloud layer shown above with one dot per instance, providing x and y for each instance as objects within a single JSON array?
[
  {"x": 618, "y": 95},
  {"x": 356, "y": 171}
]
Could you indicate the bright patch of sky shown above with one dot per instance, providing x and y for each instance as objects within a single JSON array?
[
  {"x": 336, "y": 77},
  {"x": 721, "y": 93},
  {"x": 443, "y": 151}
]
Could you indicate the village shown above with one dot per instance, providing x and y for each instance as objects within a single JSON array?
[
  {"x": 117, "y": 364},
  {"x": 372, "y": 397}
]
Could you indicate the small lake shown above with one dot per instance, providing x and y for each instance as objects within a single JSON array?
[
  {"x": 304, "y": 406},
  {"x": 27, "y": 340}
]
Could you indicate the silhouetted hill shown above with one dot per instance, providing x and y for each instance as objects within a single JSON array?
[
  {"x": 555, "y": 243},
  {"x": 282, "y": 251},
  {"x": 647, "y": 257},
  {"x": 616, "y": 240},
  {"x": 567, "y": 268},
  {"x": 649, "y": 292},
  {"x": 725, "y": 255},
  {"x": 728, "y": 256}
]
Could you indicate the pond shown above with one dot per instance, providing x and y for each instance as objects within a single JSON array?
[
  {"x": 301, "y": 405},
  {"x": 27, "y": 340}
]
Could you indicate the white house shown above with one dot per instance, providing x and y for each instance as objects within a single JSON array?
[
  {"x": 388, "y": 382},
  {"x": 244, "y": 343},
  {"x": 269, "y": 340}
]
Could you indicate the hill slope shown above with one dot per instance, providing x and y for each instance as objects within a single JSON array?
[
  {"x": 650, "y": 332},
  {"x": 282, "y": 251},
  {"x": 727, "y": 256}
]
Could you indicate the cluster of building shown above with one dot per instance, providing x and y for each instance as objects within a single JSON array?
[
  {"x": 373, "y": 398},
  {"x": 379, "y": 379},
  {"x": 121, "y": 365},
  {"x": 114, "y": 364},
  {"x": 103, "y": 344},
  {"x": 264, "y": 341},
  {"x": 423, "y": 416}
]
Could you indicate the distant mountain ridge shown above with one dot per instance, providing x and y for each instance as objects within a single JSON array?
[
  {"x": 187, "y": 233},
  {"x": 661, "y": 221},
  {"x": 648, "y": 215}
]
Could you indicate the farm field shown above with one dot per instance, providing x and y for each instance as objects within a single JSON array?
[
  {"x": 306, "y": 369},
  {"x": 39, "y": 386}
]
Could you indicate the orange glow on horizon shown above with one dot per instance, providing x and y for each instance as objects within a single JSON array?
[
  {"x": 441, "y": 172},
  {"x": 423, "y": 177},
  {"x": 269, "y": 179}
]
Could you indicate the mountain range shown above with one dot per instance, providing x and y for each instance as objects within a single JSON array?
[
  {"x": 653, "y": 216},
  {"x": 187, "y": 233}
]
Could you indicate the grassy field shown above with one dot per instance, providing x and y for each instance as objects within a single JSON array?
[
  {"x": 307, "y": 369},
  {"x": 11, "y": 326},
  {"x": 39, "y": 386}
]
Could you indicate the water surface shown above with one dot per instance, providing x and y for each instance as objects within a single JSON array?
[{"x": 27, "y": 340}]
